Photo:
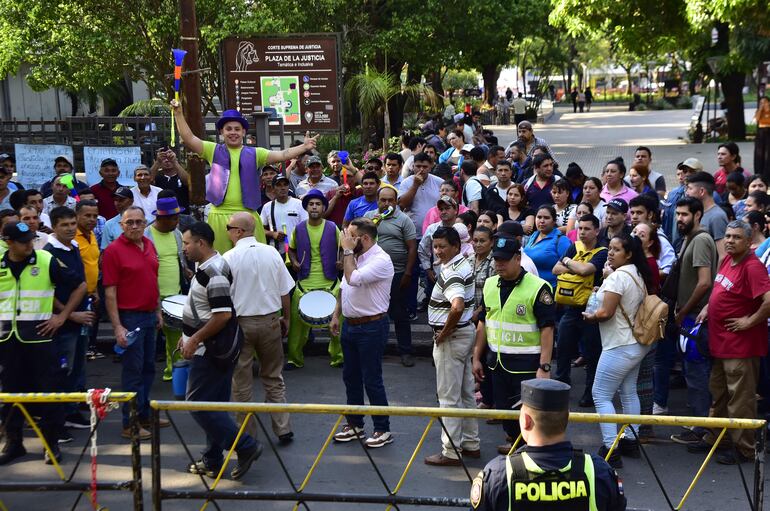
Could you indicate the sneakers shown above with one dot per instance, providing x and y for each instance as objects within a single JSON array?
[
  {"x": 77, "y": 421},
  {"x": 56, "y": 454},
  {"x": 686, "y": 437},
  {"x": 615, "y": 461},
  {"x": 64, "y": 437},
  {"x": 413, "y": 317},
  {"x": 245, "y": 459},
  {"x": 200, "y": 468},
  {"x": 407, "y": 360},
  {"x": 143, "y": 433},
  {"x": 349, "y": 433},
  {"x": 11, "y": 452},
  {"x": 379, "y": 439},
  {"x": 659, "y": 410}
]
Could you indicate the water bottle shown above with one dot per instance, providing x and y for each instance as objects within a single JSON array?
[
  {"x": 85, "y": 330},
  {"x": 593, "y": 303},
  {"x": 130, "y": 339}
]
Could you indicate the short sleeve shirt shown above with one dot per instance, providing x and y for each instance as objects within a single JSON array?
[
  {"x": 358, "y": 207},
  {"x": 700, "y": 252},
  {"x": 598, "y": 260},
  {"x": 234, "y": 194},
  {"x": 392, "y": 235},
  {"x": 616, "y": 331},
  {"x": 425, "y": 198},
  {"x": 168, "y": 259},
  {"x": 134, "y": 272},
  {"x": 209, "y": 299},
  {"x": 738, "y": 291},
  {"x": 455, "y": 280},
  {"x": 472, "y": 191},
  {"x": 715, "y": 222}
]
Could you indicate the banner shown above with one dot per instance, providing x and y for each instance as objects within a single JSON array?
[
  {"x": 128, "y": 158},
  {"x": 34, "y": 162}
]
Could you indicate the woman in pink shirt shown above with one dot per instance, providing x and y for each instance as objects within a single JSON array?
[{"x": 615, "y": 187}]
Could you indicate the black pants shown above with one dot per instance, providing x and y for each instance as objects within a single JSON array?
[
  {"x": 398, "y": 312},
  {"x": 507, "y": 376},
  {"x": 31, "y": 367}
]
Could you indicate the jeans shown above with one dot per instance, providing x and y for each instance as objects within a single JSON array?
[
  {"x": 411, "y": 302},
  {"x": 617, "y": 371},
  {"x": 363, "y": 347},
  {"x": 207, "y": 382},
  {"x": 572, "y": 329},
  {"x": 665, "y": 354},
  {"x": 139, "y": 361},
  {"x": 72, "y": 346},
  {"x": 398, "y": 312},
  {"x": 697, "y": 375}
]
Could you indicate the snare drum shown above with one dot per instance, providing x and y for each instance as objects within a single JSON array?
[
  {"x": 317, "y": 307},
  {"x": 172, "y": 307}
]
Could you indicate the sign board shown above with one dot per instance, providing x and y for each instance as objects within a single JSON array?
[
  {"x": 128, "y": 158},
  {"x": 296, "y": 76},
  {"x": 34, "y": 162}
]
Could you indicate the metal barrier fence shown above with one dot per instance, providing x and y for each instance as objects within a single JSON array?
[
  {"x": 392, "y": 496},
  {"x": 67, "y": 483}
]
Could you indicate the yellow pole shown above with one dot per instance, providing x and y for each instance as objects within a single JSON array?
[
  {"x": 412, "y": 458},
  {"x": 39, "y": 433},
  {"x": 701, "y": 469},
  {"x": 227, "y": 458}
]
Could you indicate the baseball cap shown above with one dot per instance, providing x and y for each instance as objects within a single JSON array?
[
  {"x": 108, "y": 161},
  {"x": 124, "y": 192},
  {"x": 692, "y": 163},
  {"x": 64, "y": 158},
  {"x": 279, "y": 178},
  {"x": 619, "y": 205},
  {"x": 467, "y": 147},
  {"x": 510, "y": 229},
  {"x": 446, "y": 199},
  {"x": 544, "y": 394},
  {"x": 313, "y": 159},
  {"x": 18, "y": 231},
  {"x": 505, "y": 247}
]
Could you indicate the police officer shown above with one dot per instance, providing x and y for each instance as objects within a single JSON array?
[
  {"x": 27, "y": 324},
  {"x": 547, "y": 473},
  {"x": 514, "y": 335}
]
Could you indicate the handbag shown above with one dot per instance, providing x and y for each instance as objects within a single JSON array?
[{"x": 649, "y": 324}]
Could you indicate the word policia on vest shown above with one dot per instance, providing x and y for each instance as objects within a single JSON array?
[{"x": 555, "y": 490}]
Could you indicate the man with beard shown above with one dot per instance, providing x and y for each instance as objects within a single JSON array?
[
  {"x": 313, "y": 251},
  {"x": 697, "y": 267},
  {"x": 363, "y": 301}
]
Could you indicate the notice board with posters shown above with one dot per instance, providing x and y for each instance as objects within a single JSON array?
[{"x": 296, "y": 75}]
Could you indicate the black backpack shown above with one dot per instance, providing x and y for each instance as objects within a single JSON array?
[{"x": 483, "y": 201}]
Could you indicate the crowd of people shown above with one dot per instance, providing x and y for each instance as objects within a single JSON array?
[{"x": 524, "y": 271}]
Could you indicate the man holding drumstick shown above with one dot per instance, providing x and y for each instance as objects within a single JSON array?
[
  {"x": 363, "y": 301},
  {"x": 314, "y": 255},
  {"x": 259, "y": 271}
]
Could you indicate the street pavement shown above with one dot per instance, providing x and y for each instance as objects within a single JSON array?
[{"x": 589, "y": 139}]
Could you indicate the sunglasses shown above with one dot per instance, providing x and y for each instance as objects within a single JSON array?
[{"x": 232, "y": 228}]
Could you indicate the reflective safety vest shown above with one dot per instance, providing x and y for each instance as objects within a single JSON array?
[
  {"x": 512, "y": 328},
  {"x": 573, "y": 289},
  {"x": 26, "y": 302},
  {"x": 571, "y": 488}
]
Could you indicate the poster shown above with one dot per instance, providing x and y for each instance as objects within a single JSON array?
[
  {"x": 297, "y": 76},
  {"x": 127, "y": 157},
  {"x": 34, "y": 162}
]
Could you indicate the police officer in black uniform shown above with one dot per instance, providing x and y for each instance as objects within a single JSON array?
[{"x": 547, "y": 473}]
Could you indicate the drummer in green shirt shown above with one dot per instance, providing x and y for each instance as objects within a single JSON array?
[
  {"x": 314, "y": 254},
  {"x": 233, "y": 185}
]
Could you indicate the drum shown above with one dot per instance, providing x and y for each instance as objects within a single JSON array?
[
  {"x": 172, "y": 307},
  {"x": 317, "y": 307}
]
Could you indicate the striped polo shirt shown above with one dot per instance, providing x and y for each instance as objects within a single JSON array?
[{"x": 455, "y": 279}]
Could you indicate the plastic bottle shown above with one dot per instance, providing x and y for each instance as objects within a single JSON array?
[
  {"x": 130, "y": 339},
  {"x": 85, "y": 330},
  {"x": 593, "y": 303}
]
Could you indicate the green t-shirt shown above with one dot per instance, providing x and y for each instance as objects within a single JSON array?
[
  {"x": 233, "y": 196},
  {"x": 316, "y": 279},
  {"x": 168, "y": 262}
]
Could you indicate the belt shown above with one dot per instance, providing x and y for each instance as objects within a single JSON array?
[
  {"x": 441, "y": 327},
  {"x": 363, "y": 319}
]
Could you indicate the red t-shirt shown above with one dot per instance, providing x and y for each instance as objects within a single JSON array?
[
  {"x": 337, "y": 214},
  {"x": 106, "y": 200},
  {"x": 133, "y": 272},
  {"x": 737, "y": 293}
]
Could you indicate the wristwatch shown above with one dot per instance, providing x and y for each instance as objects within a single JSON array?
[
  {"x": 348, "y": 251},
  {"x": 545, "y": 367}
]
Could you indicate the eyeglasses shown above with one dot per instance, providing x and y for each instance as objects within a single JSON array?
[{"x": 233, "y": 227}]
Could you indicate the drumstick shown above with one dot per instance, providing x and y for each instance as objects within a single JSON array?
[{"x": 286, "y": 244}]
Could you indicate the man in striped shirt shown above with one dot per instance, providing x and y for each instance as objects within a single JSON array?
[{"x": 449, "y": 314}]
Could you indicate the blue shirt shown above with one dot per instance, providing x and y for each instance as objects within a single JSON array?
[
  {"x": 111, "y": 231},
  {"x": 547, "y": 252},
  {"x": 358, "y": 207}
]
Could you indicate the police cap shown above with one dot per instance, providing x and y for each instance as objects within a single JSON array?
[
  {"x": 545, "y": 395},
  {"x": 505, "y": 248}
]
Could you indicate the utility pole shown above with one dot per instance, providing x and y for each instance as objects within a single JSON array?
[{"x": 191, "y": 90}]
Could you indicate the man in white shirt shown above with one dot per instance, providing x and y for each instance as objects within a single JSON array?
[
  {"x": 419, "y": 192},
  {"x": 315, "y": 179},
  {"x": 30, "y": 216},
  {"x": 281, "y": 216},
  {"x": 258, "y": 271},
  {"x": 60, "y": 196},
  {"x": 145, "y": 193},
  {"x": 35, "y": 198}
]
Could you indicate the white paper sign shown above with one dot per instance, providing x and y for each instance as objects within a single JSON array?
[
  {"x": 34, "y": 162},
  {"x": 128, "y": 158}
]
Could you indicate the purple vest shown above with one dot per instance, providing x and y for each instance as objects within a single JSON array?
[
  {"x": 216, "y": 184},
  {"x": 328, "y": 250}
]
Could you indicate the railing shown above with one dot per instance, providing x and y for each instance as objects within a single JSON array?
[
  {"x": 392, "y": 496},
  {"x": 67, "y": 483}
]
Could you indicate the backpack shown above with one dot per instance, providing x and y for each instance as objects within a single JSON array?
[
  {"x": 649, "y": 325},
  {"x": 573, "y": 289},
  {"x": 492, "y": 199},
  {"x": 483, "y": 201}
]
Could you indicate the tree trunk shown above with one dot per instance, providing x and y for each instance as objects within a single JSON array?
[
  {"x": 568, "y": 89},
  {"x": 394, "y": 110},
  {"x": 732, "y": 89},
  {"x": 490, "y": 74},
  {"x": 435, "y": 82}
]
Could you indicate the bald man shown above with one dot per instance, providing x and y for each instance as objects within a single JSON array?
[{"x": 258, "y": 270}]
